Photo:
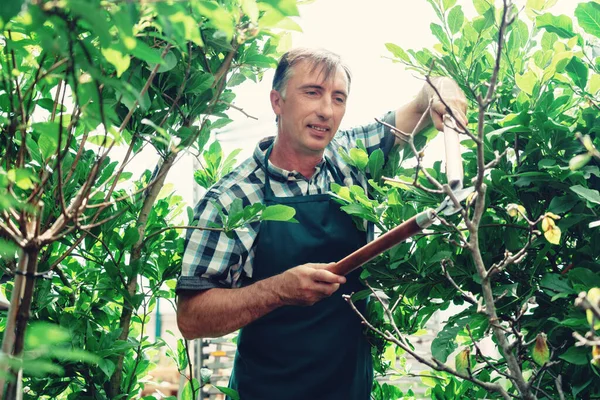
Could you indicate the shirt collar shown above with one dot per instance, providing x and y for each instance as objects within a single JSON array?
[{"x": 275, "y": 171}]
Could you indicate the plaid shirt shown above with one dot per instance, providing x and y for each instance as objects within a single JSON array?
[{"x": 211, "y": 258}]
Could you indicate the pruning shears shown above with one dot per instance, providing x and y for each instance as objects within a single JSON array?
[{"x": 414, "y": 225}]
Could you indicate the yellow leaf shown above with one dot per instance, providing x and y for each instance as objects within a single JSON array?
[
  {"x": 513, "y": 210},
  {"x": 579, "y": 161},
  {"x": 594, "y": 84},
  {"x": 553, "y": 235},
  {"x": 593, "y": 296},
  {"x": 541, "y": 352},
  {"x": 390, "y": 355},
  {"x": 587, "y": 141},
  {"x": 596, "y": 355},
  {"x": 471, "y": 198},
  {"x": 547, "y": 224},
  {"x": 462, "y": 362},
  {"x": 119, "y": 60},
  {"x": 521, "y": 212}
]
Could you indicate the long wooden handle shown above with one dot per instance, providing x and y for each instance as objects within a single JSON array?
[
  {"x": 454, "y": 167},
  {"x": 384, "y": 242}
]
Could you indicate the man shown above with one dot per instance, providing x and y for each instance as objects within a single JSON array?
[{"x": 299, "y": 339}]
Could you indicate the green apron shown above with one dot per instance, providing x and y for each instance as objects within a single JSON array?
[{"x": 305, "y": 353}]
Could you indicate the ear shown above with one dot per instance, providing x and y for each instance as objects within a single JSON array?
[{"x": 276, "y": 101}]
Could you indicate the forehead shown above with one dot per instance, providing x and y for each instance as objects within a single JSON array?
[{"x": 305, "y": 72}]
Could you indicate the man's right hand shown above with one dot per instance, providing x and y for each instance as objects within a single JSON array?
[
  {"x": 217, "y": 312},
  {"x": 306, "y": 284}
]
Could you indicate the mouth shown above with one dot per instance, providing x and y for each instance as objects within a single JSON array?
[{"x": 319, "y": 128}]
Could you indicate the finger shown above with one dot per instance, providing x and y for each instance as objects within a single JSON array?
[
  {"x": 322, "y": 275},
  {"x": 437, "y": 120},
  {"x": 326, "y": 288},
  {"x": 322, "y": 265}
]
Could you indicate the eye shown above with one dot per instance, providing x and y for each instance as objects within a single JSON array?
[
  {"x": 340, "y": 100},
  {"x": 311, "y": 92}
]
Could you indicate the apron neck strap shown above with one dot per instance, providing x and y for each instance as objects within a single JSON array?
[{"x": 335, "y": 172}]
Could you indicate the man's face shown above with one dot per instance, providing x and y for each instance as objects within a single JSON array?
[{"x": 312, "y": 110}]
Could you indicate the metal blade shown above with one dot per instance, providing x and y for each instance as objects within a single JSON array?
[{"x": 447, "y": 206}]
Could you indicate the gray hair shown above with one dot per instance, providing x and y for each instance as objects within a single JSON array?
[{"x": 328, "y": 61}]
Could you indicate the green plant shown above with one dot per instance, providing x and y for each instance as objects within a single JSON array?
[
  {"x": 517, "y": 256},
  {"x": 90, "y": 246}
]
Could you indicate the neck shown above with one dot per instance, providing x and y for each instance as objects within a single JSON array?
[{"x": 291, "y": 160}]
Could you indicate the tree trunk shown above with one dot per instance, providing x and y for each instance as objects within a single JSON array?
[{"x": 136, "y": 254}]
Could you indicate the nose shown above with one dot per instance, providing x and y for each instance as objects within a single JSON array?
[{"x": 325, "y": 109}]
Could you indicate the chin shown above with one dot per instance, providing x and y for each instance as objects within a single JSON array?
[{"x": 317, "y": 146}]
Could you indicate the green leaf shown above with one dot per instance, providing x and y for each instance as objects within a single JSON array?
[
  {"x": 218, "y": 16},
  {"x": 278, "y": 212},
  {"x": 23, "y": 178},
  {"x": 182, "y": 358},
  {"x": 187, "y": 26},
  {"x": 250, "y": 8},
  {"x": 526, "y": 82},
  {"x": 168, "y": 63},
  {"x": 439, "y": 33},
  {"x": 199, "y": 82},
  {"x": 146, "y": 53},
  {"x": 594, "y": 84},
  {"x": 41, "y": 368},
  {"x": 107, "y": 366},
  {"x": 456, "y": 19},
  {"x": 588, "y": 17},
  {"x": 548, "y": 40},
  {"x": 576, "y": 355},
  {"x": 447, "y": 4},
  {"x": 48, "y": 140},
  {"x": 8, "y": 249},
  {"x": 519, "y": 35},
  {"x": 376, "y": 162},
  {"x": 229, "y": 392},
  {"x": 397, "y": 52},
  {"x": 484, "y": 22},
  {"x": 445, "y": 342},
  {"x": 591, "y": 195},
  {"x": 578, "y": 71},
  {"x": 561, "y": 25},
  {"x": 556, "y": 283},
  {"x": 75, "y": 355},
  {"x": 190, "y": 387},
  {"x": 9, "y": 9},
  {"x": 359, "y": 157},
  {"x": 130, "y": 237},
  {"x": 119, "y": 60},
  {"x": 481, "y": 6},
  {"x": 288, "y": 8},
  {"x": 45, "y": 334}
]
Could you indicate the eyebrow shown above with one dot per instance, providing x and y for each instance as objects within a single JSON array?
[{"x": 313, "y": 86}]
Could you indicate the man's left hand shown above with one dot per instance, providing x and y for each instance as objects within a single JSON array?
[{"x": 451, "y": 94}]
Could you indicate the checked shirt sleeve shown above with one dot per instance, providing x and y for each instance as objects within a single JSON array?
[
  {"x": 211, "y": 258},
  {"x": 374, "y": 135}
]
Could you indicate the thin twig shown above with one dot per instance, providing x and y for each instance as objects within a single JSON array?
[
  {"x": 434, "y": 364},
  {"x": 466, "y": 296},
  {"x": 238, "y": 109}
]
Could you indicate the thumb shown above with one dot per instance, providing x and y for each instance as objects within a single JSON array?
[{"x": 438, "y": 120}]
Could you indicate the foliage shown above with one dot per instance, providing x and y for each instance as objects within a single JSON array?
[
  {"x": 90, "y": 246},
  {"x": 540, "y": 197}
]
